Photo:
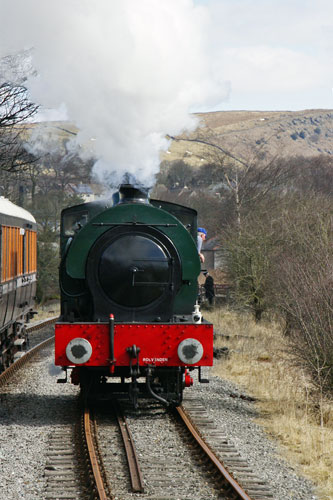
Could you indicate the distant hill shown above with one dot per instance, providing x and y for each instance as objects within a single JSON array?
[
  {"x": 243, "y": 134},
  {"x": 246, "y": 134},
  {"x": 59, "y": 130}
]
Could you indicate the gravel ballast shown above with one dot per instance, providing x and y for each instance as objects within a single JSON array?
[
  {"x": 234, "y": 415},
  {"x": 34, "y": 405}
]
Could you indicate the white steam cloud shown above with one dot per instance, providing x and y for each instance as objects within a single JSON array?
[{"x": 128, "y": 71}]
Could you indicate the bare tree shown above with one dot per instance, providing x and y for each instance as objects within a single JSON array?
[
  {"x": 304, "y": 282},
  {"x": 313, "y": 175},
  {"x": 242, "y": 182},
  {"x": 15, "y": 108},
  {"x": 251, "y": 255}
]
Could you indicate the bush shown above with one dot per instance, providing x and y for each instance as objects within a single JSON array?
[{"x": 304, "y": 280}]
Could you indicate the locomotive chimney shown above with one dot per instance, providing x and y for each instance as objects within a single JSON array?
[{"x": 132, "y": 194}]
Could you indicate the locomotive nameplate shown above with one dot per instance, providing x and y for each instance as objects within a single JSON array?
[{"x": 158, "y": 343}]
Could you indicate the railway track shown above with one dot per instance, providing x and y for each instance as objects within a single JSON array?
[
  {"x": 75, "y": 466},
  {"x": 101, "y": 481},
  {"x": 69, "y": 476},
  {"x": 112, "y": 469},
  {"x": 6, "y": 375},
  {"x": 224, "y": 456}
]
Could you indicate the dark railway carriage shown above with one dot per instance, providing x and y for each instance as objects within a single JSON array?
[
  {"x": 18, "y": 250},
  {"x": 128, "y": 279}
]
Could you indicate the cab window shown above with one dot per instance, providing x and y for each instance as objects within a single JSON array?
[{"x": 73, "y": 222}]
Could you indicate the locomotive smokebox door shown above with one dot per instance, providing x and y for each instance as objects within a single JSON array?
[{"x": 135, "y": 272}]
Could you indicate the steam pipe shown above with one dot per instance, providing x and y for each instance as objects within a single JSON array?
[{"x": 150, "y": 390}]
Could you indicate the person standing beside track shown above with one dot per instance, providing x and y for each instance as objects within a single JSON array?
[
  {"x": 209, "y": 288},
  {"x": 202, "y": 235}
]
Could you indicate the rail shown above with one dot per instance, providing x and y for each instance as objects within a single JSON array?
[
  {"x": 132, "y": 459},
  {"x": 241, "y": 494},
  {"x": 12, "y": 369},
  {"x": 99, "y": 483},
  {"x": 96, "y": 463}
]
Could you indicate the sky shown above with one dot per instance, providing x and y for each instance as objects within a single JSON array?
[
  {"x": 129, "y": 72},
  {"x": 275, "y": 54}
]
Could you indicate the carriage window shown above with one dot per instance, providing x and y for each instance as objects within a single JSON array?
[{"x": 73, "y": 222}]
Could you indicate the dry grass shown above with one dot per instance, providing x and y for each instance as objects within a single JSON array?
[
  {"x": 289, "y": 405},
  {"x": 48, "y": 310}
]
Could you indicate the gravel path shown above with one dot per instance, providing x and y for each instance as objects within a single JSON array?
[{"x": 32, "y": 408}]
